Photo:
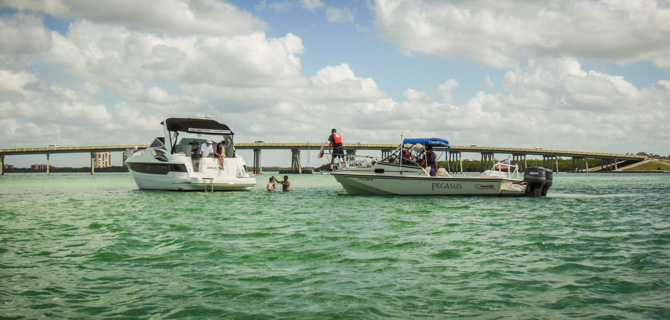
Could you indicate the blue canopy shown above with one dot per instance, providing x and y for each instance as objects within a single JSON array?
[{"x": 431, "y": 141}]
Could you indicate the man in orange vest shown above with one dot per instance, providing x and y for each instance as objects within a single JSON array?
[{"x": 336, "y": 144}]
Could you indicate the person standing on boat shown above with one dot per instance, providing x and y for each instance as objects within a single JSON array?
[
  {"x": 431, "y": 160},
  {"x": 335, "y": 140}
]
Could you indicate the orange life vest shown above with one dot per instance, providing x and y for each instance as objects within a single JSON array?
[{"x": 337, "y": 137}]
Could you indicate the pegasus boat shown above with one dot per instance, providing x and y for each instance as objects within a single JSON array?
[
  {"x": 173, "y": 162},
  {"x": 403, "y": 173}
]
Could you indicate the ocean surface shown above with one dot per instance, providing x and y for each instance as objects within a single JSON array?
[{"x": 78, "y": 246}]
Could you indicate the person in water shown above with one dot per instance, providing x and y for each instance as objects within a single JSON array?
[
  {"x": 285, "y": 185},
  {"x": 271, "y": 185},
  {"x": 335, "y": 142}
]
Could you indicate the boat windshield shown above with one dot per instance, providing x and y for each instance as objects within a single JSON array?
[
  {"x": 411, "y": 157},
  {"x": 158, "y": 143},
  {"x": 187, "y": 135},
  {"x": 190, "y": 143}
]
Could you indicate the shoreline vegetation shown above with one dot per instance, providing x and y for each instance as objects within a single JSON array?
[{"x": 564, "y": 165}]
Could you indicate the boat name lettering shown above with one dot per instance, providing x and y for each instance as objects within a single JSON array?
[
  {"x": 441, "y": 185},
  {"x": 208, "y": 130},
  {"x": 484, "y": 186},
  {"x": 365, "y": 179}
]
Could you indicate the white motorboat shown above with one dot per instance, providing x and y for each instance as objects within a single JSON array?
[
  {"x": 402, "y": 173},
  {"x": 173, "y": 162}
]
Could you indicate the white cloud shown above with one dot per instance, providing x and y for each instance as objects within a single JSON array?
[
  {"x": 167, "y": 16},
  {"x": 339, "y": 15},
  {"x": 22, "y": 34},
  {"x": 312, "y": 5},
  {"x": 501, "y": 33},
  {"x": 110, "y": 82}
]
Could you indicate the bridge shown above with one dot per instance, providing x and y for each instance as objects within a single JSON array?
[{"x": 519, "y": 155}]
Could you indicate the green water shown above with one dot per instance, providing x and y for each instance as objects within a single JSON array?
[{"x": 79, "y": 246}]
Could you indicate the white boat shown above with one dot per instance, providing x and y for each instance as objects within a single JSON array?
[
  {"x": 401, "y": 173},
  {"x": 173, "y": 162}
]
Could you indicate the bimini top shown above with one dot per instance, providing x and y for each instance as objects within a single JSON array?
[
  {"x": 431, "y": 141},
  {"x": 207, "y": 126}
]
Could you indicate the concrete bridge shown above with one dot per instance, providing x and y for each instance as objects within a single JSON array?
[{"x": 550, "y": 157}]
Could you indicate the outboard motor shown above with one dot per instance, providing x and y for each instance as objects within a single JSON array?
[
  {"x": 549, "y": 177},
  {"x": 536, "y": 177}
]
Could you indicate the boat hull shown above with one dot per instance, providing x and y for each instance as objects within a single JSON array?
[
  {"x": 175, "y": 181},
  {"x": 384, "y": 184},
  {"x": 180, "y": 175}
]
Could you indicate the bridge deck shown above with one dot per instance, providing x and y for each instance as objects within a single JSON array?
[{"x": 356, "y": 146}]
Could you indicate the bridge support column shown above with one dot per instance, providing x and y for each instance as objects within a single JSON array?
[
  {"x": 386, "y": 153},
  {"x": 586, "y": 163},
  {"x": 455, "y": 160},
  {"x": 2, "y": 164},
  {"x": 48, "y": 165},
  {"x": 582, "y": 164},
  {"x": 92, "y": 163},
  {"x": 550, "y": 162},
  {"x": 516, "y": 160},
  {"x": 295, "y": 161},
  {"x": 258, "y": 168},
  {"x": 487, "y": 160}
]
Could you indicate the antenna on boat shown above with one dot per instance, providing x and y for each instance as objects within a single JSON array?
[{"x": 402, "y": 145}]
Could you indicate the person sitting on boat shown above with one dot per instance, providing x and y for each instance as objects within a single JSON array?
[
  {"x": 405, "y": 154},
  {"x": 336, "y": 144},
  {"x": 221, "y": 152},
  {"x": 285, "y": 185},
  {"x": 431, "y": 160},
  {"x": 206, "y": 149},
  {"x": 271, "y": 185}
]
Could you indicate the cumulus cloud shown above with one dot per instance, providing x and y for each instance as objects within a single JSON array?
[
  {"x": 22, "y": 34},
  {"x": 168, "y": 16},
  {"x": 111, "y": 80},
  {"x": 502, "y": 33},
  {"x": 312, "y": 5},
  {"x": 340, "y": 15}
]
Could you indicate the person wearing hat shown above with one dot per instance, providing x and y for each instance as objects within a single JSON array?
[
  {"x": 206, "y": 149},
  {"x": 335, "y": 140}
]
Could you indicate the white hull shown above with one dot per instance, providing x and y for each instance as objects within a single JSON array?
[
  {"x": 392, "y": 180},
  {"x": 179, "y": 174},
  {"x": 183, "y": 182},
  {"x": 426, "y": 185}
]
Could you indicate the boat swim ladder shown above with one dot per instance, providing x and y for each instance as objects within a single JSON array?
[{"x": 208, "y": 183}]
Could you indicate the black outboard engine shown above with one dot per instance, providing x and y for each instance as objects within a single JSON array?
[{"x": 536, "y": 177}]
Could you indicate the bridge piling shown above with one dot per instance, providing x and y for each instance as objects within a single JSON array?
[
  {"x": 48, "y": 164},
  {"x": 295, "y": 161},
  {"x": 487, "y": 160},
  {"x": 258, "y": 169},
  {"x": 92, "y": 163},
  {"x": 2, "y": 164}
]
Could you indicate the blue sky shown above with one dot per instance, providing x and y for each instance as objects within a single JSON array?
[{"x": 572, "y": 75}]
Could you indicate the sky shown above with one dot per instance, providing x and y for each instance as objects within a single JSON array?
[{"x": 570, "y": 75}]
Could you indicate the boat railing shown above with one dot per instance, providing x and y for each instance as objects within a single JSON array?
[
  {"x": 356, "y": 161},
  {"x": 506, "y": 170}
]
